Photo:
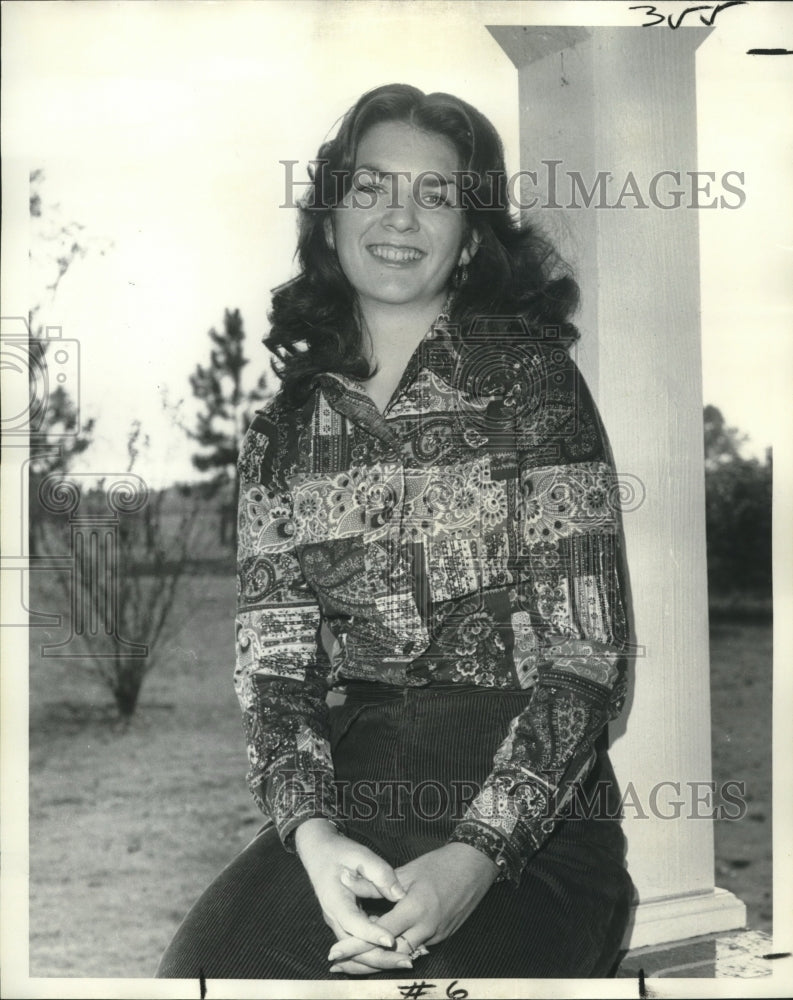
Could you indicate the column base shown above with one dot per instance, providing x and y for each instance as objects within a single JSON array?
[{"x": 675, "y": 918}]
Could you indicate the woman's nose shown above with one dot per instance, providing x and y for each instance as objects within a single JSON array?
[{"x": 401, "y": 214}]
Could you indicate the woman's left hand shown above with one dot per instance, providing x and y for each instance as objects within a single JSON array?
[{"x": 442, "y": 890}]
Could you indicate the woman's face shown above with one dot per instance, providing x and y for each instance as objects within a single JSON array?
[{"x": 400, "y": 231}]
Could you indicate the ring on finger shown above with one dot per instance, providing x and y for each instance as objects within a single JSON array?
[{"x": 415, "y": 952}]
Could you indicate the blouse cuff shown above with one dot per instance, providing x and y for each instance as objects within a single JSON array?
[
  {"x": 494, "y": 845},
  {"x": 291, "y": 797},
  {"x": 508, "y": 820}
]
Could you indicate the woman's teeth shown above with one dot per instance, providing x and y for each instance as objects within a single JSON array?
[{"x": 396, "y": 254}]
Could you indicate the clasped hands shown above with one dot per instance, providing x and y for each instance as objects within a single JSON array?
[{"x": 433, "y": 895}]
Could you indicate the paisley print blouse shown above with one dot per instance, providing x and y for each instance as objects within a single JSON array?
[{"x": 469, "y": 534}]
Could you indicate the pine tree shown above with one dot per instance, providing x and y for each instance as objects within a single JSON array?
[
  {"x": 738, "y": 493},
  {"x": 227, "y": 410},
  {"x": 722, "y": 443}
]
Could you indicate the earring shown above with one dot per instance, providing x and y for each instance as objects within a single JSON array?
[{"x": 460, "y": 275}]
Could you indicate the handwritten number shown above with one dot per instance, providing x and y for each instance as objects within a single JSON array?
[
  {"x": 650, "y": 12},
  {"x": 675, "y": 22},
  {"x": 417, "y": 991}
]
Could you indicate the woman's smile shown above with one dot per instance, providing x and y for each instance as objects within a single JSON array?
[{"x": 396, "y": 255}]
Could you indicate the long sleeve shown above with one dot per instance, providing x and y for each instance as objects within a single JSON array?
[
  {"x": 281, "y": 675},
  {"x": 569, "y": 623}
]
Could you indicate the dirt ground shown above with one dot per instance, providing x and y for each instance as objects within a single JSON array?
[{"x": 127, "y": 826}]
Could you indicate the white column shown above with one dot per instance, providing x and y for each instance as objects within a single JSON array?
[{"x": 622, "y": 100}]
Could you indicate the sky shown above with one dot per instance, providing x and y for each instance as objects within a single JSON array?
[{"x": 160, "y": 128}]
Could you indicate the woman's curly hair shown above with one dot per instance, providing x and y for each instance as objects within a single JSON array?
[{"x": 515, "y": 271}]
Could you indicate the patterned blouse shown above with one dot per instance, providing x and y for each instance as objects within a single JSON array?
[{"x": 469, "y": 534}]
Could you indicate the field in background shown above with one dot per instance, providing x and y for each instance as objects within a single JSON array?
[
  {"x": 211, "y": 547},
  {"x": 741, "y": 710},
  {"x": 127, "y": 827}
]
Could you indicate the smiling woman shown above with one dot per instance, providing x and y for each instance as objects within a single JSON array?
[
  {"x": 427, "y": 527},
  {"x": 404, "y": 229},
  {"x": 399, "y": 250}
]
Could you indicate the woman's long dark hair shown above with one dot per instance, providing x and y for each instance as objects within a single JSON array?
[{"x": 515, "y": 271}]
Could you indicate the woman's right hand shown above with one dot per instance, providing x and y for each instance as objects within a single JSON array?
[{"x": 327, "y": 855}]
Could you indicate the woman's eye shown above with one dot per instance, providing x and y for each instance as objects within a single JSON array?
[
  {"x": 432, "y": 199},
  {"x": 365, "y": 182}
]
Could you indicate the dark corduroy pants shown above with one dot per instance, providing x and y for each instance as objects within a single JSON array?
[{"x": 404, "y": 762}]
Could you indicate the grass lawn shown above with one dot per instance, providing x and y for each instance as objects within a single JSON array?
[
  {"x": 127, "y": 827},
  {"x": 741, "y": 685}
]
